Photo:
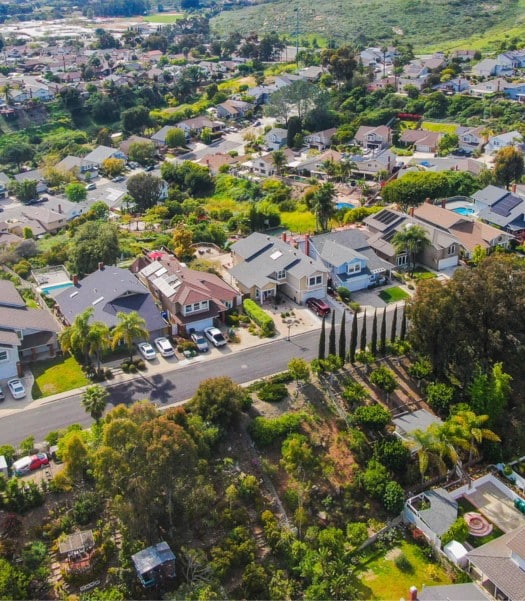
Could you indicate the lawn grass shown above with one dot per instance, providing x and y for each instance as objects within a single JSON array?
[
  {"x": 465, "y": 506},
  {"x": 442, "y": 128},
  {"x": 48, "y": 242},
  {"x": 164, "y": 18},
  {"x": 394, "y": 294},
  {"x": 422, "y": 274},
  {"x": 382, "y": 579},
  {"x": 56, "y": 375},
  {"x": 299, "y": 222}
]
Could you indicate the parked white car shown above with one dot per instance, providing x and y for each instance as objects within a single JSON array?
[
  {"x": 16, "y": 388},
  {"x": 164, "y": 347},
  {"x": 200, "y": 341},
  {"x": 215, "y": 336},
  {"x": 146, "y": 350}
]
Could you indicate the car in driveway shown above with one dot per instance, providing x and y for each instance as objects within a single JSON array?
[
  {"x": 16, "y": 388},
  {"x": 200, "y": 341},
  {"x": 146, "y": 350},
  {"x": 92, "y": 186},
  {"x": 118, "y": 178},
  {"x": 164, "y": 347},
  {"x": 30, "y": 463},
  {"x": 215, "y": 336},
  {"x": 2, "y": 394},
  {"x": 318, "y": 306}
]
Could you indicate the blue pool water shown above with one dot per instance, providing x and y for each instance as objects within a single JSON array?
[
  {"x": 463, "y": 211},
  {"x": 56, "y": 287},
  {"x": 344, "y": 205}
]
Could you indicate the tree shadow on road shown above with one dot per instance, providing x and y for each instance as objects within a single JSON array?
[{"x": 155, "y": 388}]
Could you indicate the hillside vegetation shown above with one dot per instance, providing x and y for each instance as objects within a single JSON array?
[{"x": 421, "y": 22}]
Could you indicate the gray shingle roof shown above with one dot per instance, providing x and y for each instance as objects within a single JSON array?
[
  {"x": 489, "y": 195},
  {"x": 9, "y": 294},
  {"x": 109, "y": 291},
  {"x": 453, "y": 592},
  {"x": 442, "y": 513},
  {"x": 12, "y": 318}
]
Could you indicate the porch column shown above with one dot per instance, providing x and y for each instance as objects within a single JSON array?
[{"x": 19, "y": 369}]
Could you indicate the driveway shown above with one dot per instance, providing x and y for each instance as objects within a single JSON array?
[{"x": 496, "y": 506}]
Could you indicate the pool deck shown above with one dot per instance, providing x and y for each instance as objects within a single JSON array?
[{"x": 496, "y": 506}]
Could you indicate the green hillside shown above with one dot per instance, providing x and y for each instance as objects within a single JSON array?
[{"x": 424, "y": 23}]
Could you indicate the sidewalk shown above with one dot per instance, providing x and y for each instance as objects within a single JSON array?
[{"x": 298, "y": 321}]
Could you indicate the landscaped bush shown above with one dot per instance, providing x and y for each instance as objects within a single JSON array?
[
  {"x": 344, "y": 293},
  {"x": 373, "y": 417},
  {"x": 260, "y": 317},
  {"x": 458, "y": 531},
  {"x": 264, "y": 430},
  {"x": 284, "y": 377},
  {"x": 355, "y": 306},
  {"x": 272, "y": 392},
  {"x": 140, "y": 364}
]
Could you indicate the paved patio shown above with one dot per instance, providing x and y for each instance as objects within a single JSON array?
[{"x": 496, "y": 506}]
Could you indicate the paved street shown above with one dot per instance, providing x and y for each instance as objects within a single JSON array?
[{"x": 173, "y": 386}]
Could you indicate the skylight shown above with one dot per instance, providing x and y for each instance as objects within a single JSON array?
[{"x": 275, "y": 255}]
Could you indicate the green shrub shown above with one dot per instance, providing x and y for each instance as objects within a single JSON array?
[
  {"x": 284, "y": 377},
  {"x": 132, "y": 368},
  {"x": 403, "y": 564},
  {"x": 140, "y": 364},
  {"x": 355, "y": 306},
  {"x": 272, "y": 392},
  {"x": 373, "y": 417},
  {"x": 265, "y": 430},
  {"x": 344, "y": 293},
  {"x": 458, "y": 531},
  {"x": 260, "y": 317}
]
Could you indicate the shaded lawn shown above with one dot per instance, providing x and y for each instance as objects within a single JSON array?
[
  {"x": 422, "y": 274},
  {"x": 394, "y": 294},
  {"x": 56, "y": 375},
  {"x": 382, "y": 579}
]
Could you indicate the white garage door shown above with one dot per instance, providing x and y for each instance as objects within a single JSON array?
[{"x": 448, "y": 262}]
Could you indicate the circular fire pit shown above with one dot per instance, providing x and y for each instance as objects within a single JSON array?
[{"x": 477, "y": 524}]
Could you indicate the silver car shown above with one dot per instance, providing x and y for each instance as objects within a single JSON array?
[
  {"x": 164, "y": 347},
  {"x": 215, "y": 336},
  {"x": 200, "y": 341},
  {"x": 146, "y": 350}
]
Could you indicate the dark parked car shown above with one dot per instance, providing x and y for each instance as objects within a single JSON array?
[{"x": 318, "y": 306}]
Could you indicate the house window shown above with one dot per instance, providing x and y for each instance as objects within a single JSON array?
[
  {"x": 315, "y": 280},
  {"x": 401, "y": 260},
  {"x": 196, "y": 306},
  {"x": 188, "y": 309},
  {"x": 228, "y": 304},
  {"x": 4, "y": 356},
  {"x": 281, "y": 274},
  {"x": 353, "y": 268},
  {"x": 452, "y": 249}
]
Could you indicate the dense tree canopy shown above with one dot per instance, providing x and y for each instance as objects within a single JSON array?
[{"x": 94, "y": 242}]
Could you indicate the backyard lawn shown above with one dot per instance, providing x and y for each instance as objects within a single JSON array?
[
  {"x": 390, "y": 576},
  {"x": 164, "y": 18},
  {"x": 394, "y": 294},
  {"x": 442, "y": 128},
  {"x": 56, "y": 375},
  {"x": 422, "y": 274}
]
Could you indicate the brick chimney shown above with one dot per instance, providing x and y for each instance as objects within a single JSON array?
[
  {"x": 513, "y": 189},
  {"x": 411, "y": 211},
  {"x": 307, "y": 244},
  {"x": 443, "y": 203},
  {"x": 283, "y": 236},
  {"x": 59, "y": 208},
  {"x": 429, "y": 200},
  {"x": 101, "y": 266},
  {"x": 412, "y": 593},
  {"x": 75, "y": 280}
]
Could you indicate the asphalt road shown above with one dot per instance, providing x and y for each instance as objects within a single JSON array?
[{"x": 172, "y": 387}]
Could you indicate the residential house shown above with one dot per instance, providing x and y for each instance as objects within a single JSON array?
[
  {"x": 286, "y": 79},
  {"x": 421, "y": 140},
  {"x": 154, "y": 564},
  {"x": 515, "y": 91},
  {"x": 495, "y": 143},
  {"x": 266, "y": 266},
  {"x": 26, "y": 334},
  {"x": 409, "y": 422},
  {"x": 489, "y": 87},
  {"x": 464, "y": 55},
  {"x": 369, "y": 166},
  {"x": 264, "y": 165},
  {"x": 276, "y": 138},
  {"x": 35, "y": 175},
  {"x": 320, "y": 140},
  {"x": 471, "y": 139},
  {"x": 373, "y": 137},
  {"x": 41, "y": 220},
  {"x": 194, "y": 126},
  {"x": 469, "y": 232},
  {"x": 260, "y": 94},
  {"x": 487, "y": 67},
  {"x": 215, "y": 161},
  {"x": 4, "y": 185},
  {"x": 124, "y": 146},
  {"x": 352, "y": 262},
  {"x": 314, "y": 165},
  {"x": 500, "y": 208},
  {"x": 101, "y": 153},
  {"x": 499, "y": 565},
  {"x": 159, "y": 137},
  {"x": 76, "y": 550},
  {"x": 111, "y": 290},
  {"x": 441, "y": 253},
  {"x": 80, "y": 166},
  {"x": 467, "y": 591},
  {"x": 454, "y": 86},
  {"x": 193, "y": 300},
  {"x": 433, "y": 512},
  {"x": 233, "y": 109},
  {"x": 312, "y": 73}
]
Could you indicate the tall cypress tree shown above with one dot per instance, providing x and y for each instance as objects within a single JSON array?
[
  {"x": 322, "y": 341},
  {"x": 382, "y": 335},
  {"x": 362, "y": 345},
  {"x": 353, "y": 338},
  {"x": 331, "y": 337},
  {"x": 403, "y": 332},
  {"x": 342, "y": 337},
  {"x": 393, "y": 332},
  {"x": 373, "y": 340}
]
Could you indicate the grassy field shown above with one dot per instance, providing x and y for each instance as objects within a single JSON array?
[
  {"x": 394, "y": 294},
  {"x": 421, "y": 22},
  {"x": 56, "y": 375},
  {"x": 300, "y": 222},
  {"x": 164, "y": 18},
  {"x": 442, "y": 128},
  {"x": 391, "y": 576}
]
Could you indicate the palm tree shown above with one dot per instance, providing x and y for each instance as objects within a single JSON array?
[
  {"x": 468, "y": 426},
  {"x": 94, "y": 400},
  {"x": 432, "y": 447},
  {"x": 74, "y": 339},
  {"x": 279, "y": 160},
  {"x": 412, "y": 239},
  {"x": 98, "y": 340},
  {"x": 322, "y": 205},
  {"x": 131, "y": 326}
]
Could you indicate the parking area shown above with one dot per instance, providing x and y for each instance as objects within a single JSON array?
[{"x": 496, "y": 506}]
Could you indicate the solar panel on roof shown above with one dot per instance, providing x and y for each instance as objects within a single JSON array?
[
  {"x": 504, "y": 206},
  {"x": 151, "y": 268},
  {"x": 386, "y": 217},
  {"x": 161, "y": 271}
]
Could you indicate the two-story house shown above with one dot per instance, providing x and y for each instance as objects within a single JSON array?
[
  {"x": 441, "y": 253},
  {"x": 470, "y": 138},
  {"x": 373, "y": 137},
  {"x": 80, "y": 166},
  {"x": 193, "y": 300},
  {"x": 352, "y": 262},
  {"x": 266, "y": 266},
  {"x": 496, "y": 143},
  {"x": 500, "y": 208},
  {"x": 233, "y": 109},
  {"x": 276, "y": 138},
  {"x": 320, "y": 140},
  {"x": 264, "y": 165},
  {"x": 26, "y": 334},
  {"x": 196, "y": 125}
]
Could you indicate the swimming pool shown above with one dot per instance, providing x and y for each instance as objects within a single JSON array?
[
  {"x": 55, "y": 288},
  {"x": 344, "y": 205},
  {"x": 463, "y": 211}
]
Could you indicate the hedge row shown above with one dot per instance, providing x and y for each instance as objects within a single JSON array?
[
  {"x": 264, "y": 430},
  {"x": 260, "y": 317}
]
